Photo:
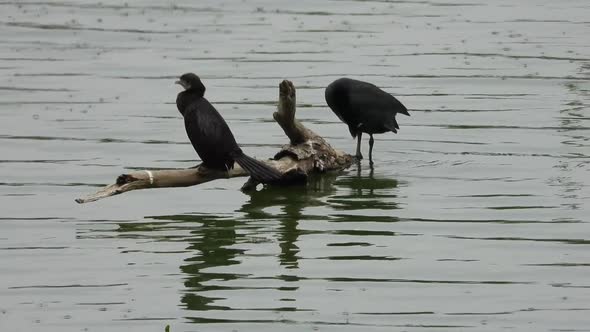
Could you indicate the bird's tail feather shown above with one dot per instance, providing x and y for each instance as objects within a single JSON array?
[
  {"x": 258, "y": 170},
  {"x": 392, "y": 125},
  {"x": 402, "y": 109}
]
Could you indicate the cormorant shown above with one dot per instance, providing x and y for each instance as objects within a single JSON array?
[
  {"x": 364, "y": 108},
  {"x": 210, "y": 135}
]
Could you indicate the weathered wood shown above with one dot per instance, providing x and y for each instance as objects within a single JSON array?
[
  {"x": 306, "y": 153},
  {"x": 285, "y": 115}
]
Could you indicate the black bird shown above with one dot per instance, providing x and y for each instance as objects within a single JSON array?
[
  {"x": 364, "y": 108},
  {"x": 210, "y": 135}
]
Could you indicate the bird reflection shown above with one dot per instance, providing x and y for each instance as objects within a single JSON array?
[
  {"x": 213, "y": 242},
  {"x": 363, "y": 192},
  {"x": 217, "y": 242},
  {"x": 359, "y": 169},
  {"x": 292, "y": 201}
]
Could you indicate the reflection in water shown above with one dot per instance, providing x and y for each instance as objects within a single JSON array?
[
  {"x": 212, "y": 243},
  {"x": 366, "y": 192},
  {"x": 211, "y": 240},
  {"x": 292, "y": 201},
  {"x": 359, "y": 169},
  {"x": 216, "y": 242}
]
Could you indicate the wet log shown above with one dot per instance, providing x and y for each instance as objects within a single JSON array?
[{"x": 306, "y": 153}]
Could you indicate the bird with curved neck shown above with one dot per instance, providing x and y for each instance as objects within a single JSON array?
[
  {"x": 365, "y": 109},
  {"x": 210, "y": 135}
]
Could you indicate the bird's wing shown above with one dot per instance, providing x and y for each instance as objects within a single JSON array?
[
  {"x": 376, "y": 121},
  {"x": 375, "y": 108},
  {"x": 391, "y": 125},
  {"x": 208, "y": 132},
  {"x": 365, "y": 96}
]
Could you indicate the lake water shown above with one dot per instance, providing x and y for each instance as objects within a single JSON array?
[{"x": 475, "y": 217}]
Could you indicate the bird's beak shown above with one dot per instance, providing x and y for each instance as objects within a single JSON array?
[{"x": 183, "y": 84}]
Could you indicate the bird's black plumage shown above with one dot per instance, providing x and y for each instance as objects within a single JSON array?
[
  {"x": 210, "y": 135},
  {"x": 364, "y": 108}
]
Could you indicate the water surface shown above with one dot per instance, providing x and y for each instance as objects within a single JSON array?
[{"x": 475, "y": 217}]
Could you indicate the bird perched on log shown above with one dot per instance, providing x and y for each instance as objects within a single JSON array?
[
  {"x": 210, "y": 135},
  {"x": 364, "y": 108}
]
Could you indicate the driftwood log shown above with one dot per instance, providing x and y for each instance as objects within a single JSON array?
[{"x": 307, "y": 153}]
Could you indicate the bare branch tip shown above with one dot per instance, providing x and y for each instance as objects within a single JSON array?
[{"x": 286, "y": 88}]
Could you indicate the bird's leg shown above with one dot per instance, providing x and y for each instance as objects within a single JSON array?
[
  {"x": 359, "y": 155},
  {"x": 358, "y": 168},
  {"x": 371, "y": 142}
]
